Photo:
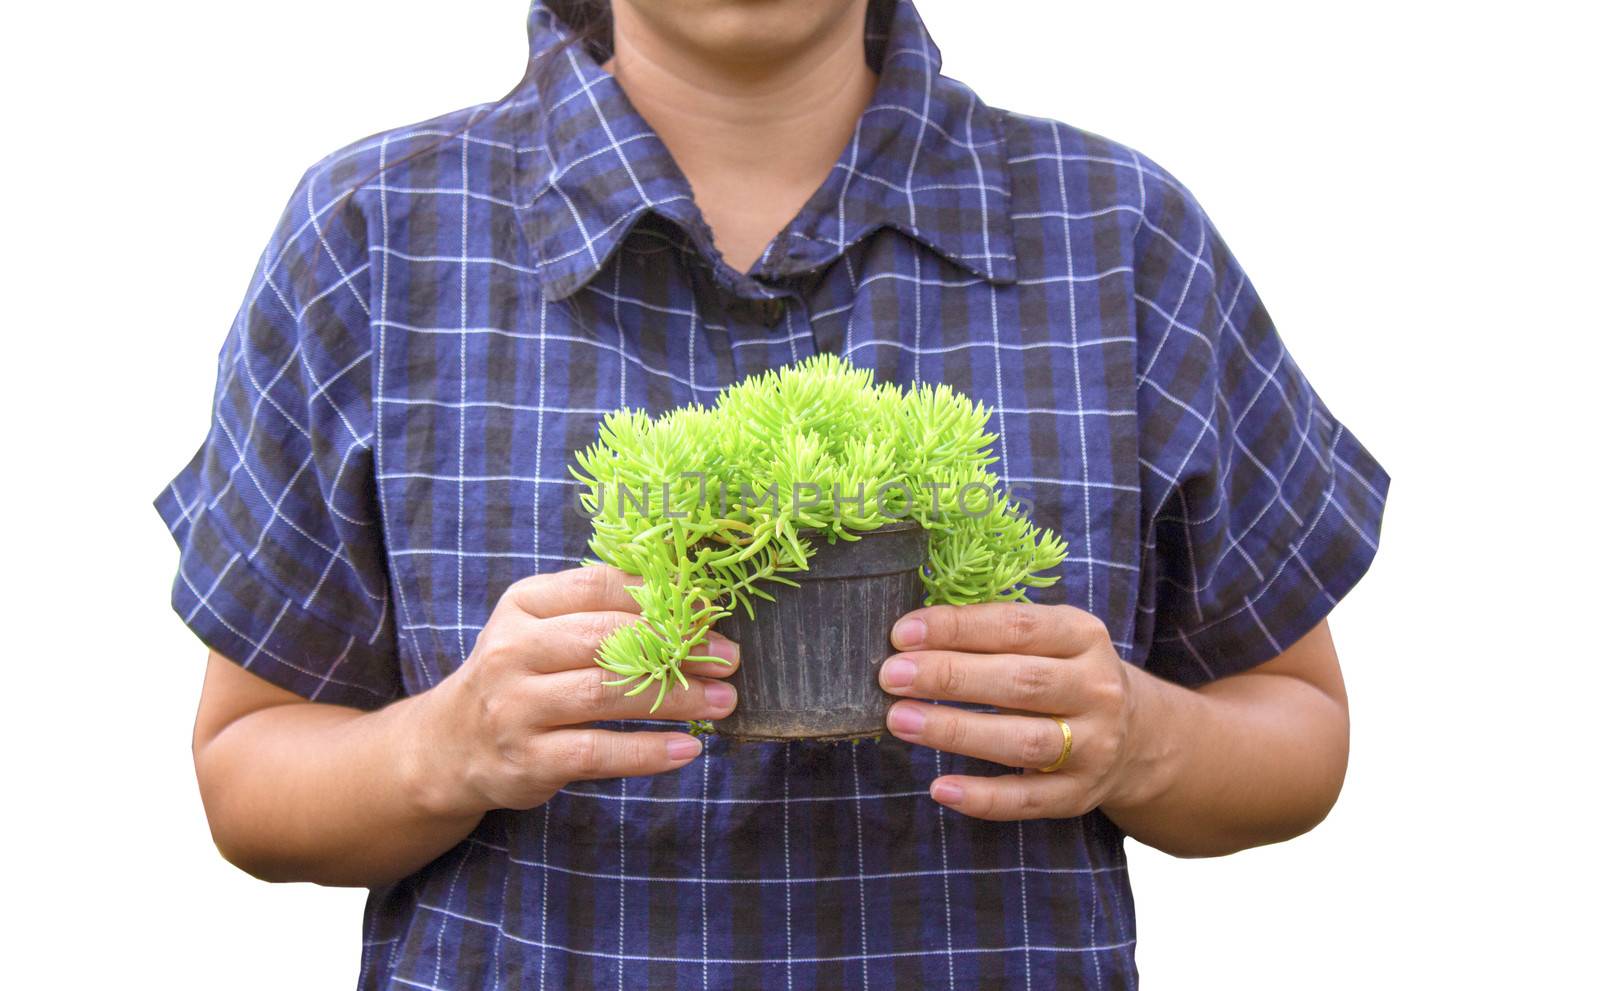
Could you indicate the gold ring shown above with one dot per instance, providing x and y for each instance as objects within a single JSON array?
[{"x": 1066, "y": 747}]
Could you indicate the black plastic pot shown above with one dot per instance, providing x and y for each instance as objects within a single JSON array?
[{"x": 808, "y": 662}]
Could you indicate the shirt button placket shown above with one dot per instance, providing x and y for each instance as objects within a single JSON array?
[{"x": 794, "y": 322}]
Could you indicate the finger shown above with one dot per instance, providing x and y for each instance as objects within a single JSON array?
[
  {"x": 716, "y": 645},
  {"x": 1016, "y": 741},
  {"x": 1011, "y": 681},
  {"x": 997, "y": 627},
  {"x": 1011, "y": 796},
  {"x": 591, "y": 588},
  {"x": 564, "y": 643},
  {"x": 586, "y": 754},
  {"x": 567, "y": 698},
  {"x": 560, "y": 643}
]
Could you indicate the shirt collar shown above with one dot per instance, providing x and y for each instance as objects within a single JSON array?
[{"x": 927, "y": 159}]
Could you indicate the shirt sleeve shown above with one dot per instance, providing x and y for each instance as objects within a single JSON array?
[
  {"x": 281, "y": 565},
  {"x": 1260, "y": 509}
]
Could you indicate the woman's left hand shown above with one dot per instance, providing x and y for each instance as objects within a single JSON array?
[{"x": 1033, "y": 662}]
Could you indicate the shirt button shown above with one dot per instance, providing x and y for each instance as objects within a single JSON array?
[{"x": 771, "y": 311}]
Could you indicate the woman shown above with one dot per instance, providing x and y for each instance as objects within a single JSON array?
[{"x": 380, "y": 543}]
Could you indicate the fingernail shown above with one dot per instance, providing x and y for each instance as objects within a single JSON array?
[
  {"x": 899, "y": 672},
  {"x": 909, "y": 633},
  {"x": 907, "y": 719},
  {"x": 722, "y": 647},
  {"x": 946, "y": 793},
  {"x": 720, "y": 695},
  {"x": 682, "y": 748}
]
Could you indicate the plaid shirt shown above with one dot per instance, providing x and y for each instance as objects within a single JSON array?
[{"x": 400, "y": 395}]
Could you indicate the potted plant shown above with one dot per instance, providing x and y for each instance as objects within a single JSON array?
[{"x": 801, "y": 514}]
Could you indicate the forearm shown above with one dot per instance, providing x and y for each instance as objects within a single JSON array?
[
  {"x": 324, "y": 793},
  {"x": 303, "y": 791},
  {"x": 1250, "y": 759}
]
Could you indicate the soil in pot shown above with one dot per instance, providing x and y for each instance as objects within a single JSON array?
[{"x": 809, "y": 660}]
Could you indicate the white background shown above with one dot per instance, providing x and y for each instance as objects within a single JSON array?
[{"x": 1411, "y": 186}]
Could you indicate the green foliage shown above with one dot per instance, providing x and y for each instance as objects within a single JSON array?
[{"x": 708, "y": 505}]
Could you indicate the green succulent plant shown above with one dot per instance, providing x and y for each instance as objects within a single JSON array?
[{"x": 708, "y": 504}]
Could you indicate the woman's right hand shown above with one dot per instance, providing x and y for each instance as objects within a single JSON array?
[{"x": 506, "y": 730}]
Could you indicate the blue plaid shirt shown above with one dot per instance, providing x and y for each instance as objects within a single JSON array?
[{"x": 400, "y": 395}]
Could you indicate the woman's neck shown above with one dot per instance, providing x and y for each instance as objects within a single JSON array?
[{"x": 755, "y": 130}]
